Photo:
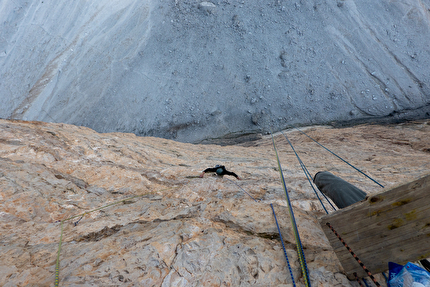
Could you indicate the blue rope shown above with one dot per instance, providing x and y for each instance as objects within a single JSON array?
[
  {"x": 280, "y": 235},
  {"x": 76, "y": 223},
  {"x": 283, "y": 246},
  {"x": 386, "y": 278},
  {"x": 365, "y": 283},
  {"x": 299, "y": 246},
  {"x": 308, "y": 175},
  {"x": 279, "y": 231},
  {"x": 340, "y": 158}
]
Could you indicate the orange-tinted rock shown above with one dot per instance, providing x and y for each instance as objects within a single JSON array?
[{"x": 180, "y": 230}]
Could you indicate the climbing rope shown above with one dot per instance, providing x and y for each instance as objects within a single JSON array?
[
  {"x": 385, "y": 277},
  {"x": 57, "y": 264},
  {"x": 354, "y": 255},
  {"x": 358, "y": 279},
  {"x": 308, "y": 175},
  {"x": 242, "y": 189},
  {"x": 299, "y": 246},
  {"x": 283, "y": 246},
  {"x": 297, "y": 237},
  {"x": 77, "y": 222},
  {"x": 357, "y": 169},
  {"x": 279, "y": 231}
]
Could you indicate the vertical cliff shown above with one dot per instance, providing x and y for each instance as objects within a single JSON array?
[{"x": 170, "y": 227}]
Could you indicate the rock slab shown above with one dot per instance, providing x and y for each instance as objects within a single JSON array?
[{"x": 170, "y": 227}]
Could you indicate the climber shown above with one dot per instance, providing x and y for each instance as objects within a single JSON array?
[
  {"x": 339, "y": 191},
  {"x": 220, "y": 171}
]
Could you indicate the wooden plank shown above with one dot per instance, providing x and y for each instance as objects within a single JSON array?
[{"x": 393, "y": 225}]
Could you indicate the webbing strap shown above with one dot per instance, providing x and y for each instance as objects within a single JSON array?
[{"x": 299, "y": 246}]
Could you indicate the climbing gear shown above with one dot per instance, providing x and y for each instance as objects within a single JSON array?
[
  {"x": 279, "y": 231},
  {"x": 76, "y": 223},
  {"x": 308, "y": 175},
  {"x": 357, "y": 169},
  {"x": 341, "y": 192},
  {"x": 283, "y": 246},
  {"x": 219, "y": 169},
  {"x": 299, "y": 246},
  {"x": 353, "y": 255},
  {"x": 242, "y": 189},
  {"x": 358, "y": 279},
  {"x": 57, "y": 264}
]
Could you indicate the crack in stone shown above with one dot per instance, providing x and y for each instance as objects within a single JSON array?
[
  {"x": 99, "y": 235},
  {"x": 236, "y": 227}
]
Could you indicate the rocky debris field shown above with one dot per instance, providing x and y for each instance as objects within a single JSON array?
[
  {"x": 171, "y": 227},
  {"x": 193, "y": 70}
]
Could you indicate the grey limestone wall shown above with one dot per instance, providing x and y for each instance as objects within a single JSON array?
[{"x": 192, "y": 70}]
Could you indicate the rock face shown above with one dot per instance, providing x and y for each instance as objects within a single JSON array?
[
  {"x": 192, "y": 70},
  {"x": 172, "y": 228}
]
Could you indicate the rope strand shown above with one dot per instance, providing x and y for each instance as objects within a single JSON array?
[
  {"x": 354, "y": 255},
  {"x": 299, "y": 246},
  {"x": 357, "y": 279},
  {"x": 340, "y": 157},
  {"x": 283, "y": 246},
  {"x": 57, "y": 264},
  {"x": 242, "y": 189},
  {"x": 308, "y": 175},
  {"x": 279, "y": 231}
]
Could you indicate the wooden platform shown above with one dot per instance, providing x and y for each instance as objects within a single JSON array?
[{"x": 393, "y": 225}]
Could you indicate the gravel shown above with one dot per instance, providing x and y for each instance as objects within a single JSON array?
[{"x": 202, "y": 70}]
